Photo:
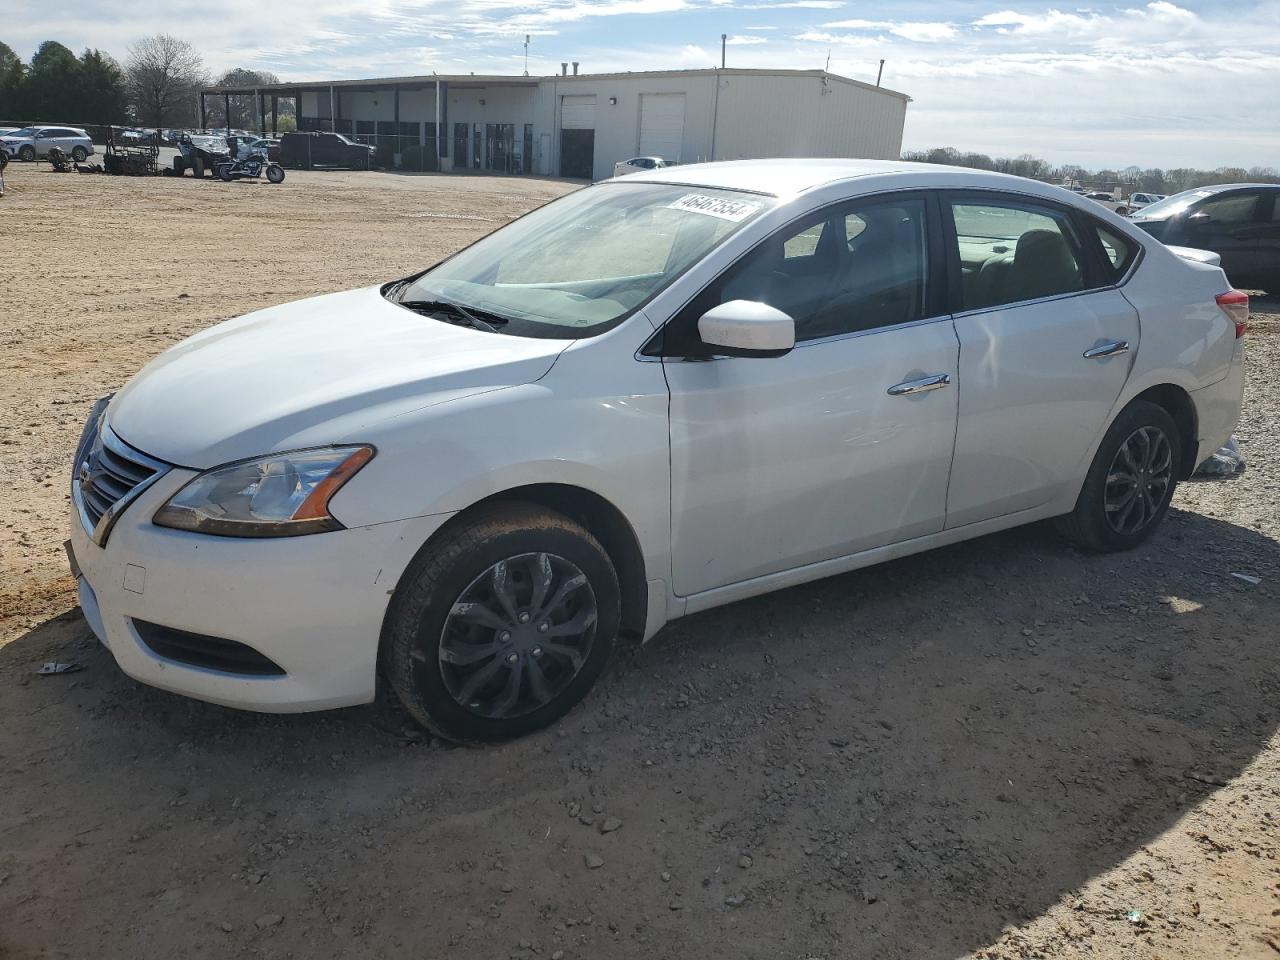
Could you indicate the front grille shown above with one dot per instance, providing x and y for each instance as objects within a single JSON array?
[
  {"x": 108, "y": 475},
  {"x": 212, "y": 653}
]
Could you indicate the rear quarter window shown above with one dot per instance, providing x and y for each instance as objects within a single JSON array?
[{"x": 1118, "y": 251}]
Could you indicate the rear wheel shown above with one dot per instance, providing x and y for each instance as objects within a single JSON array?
[
  {"x": 503, "y": 626},
  {"x": 1130, "y": 483},
  {"x": 224, "y": 172},
  {"x": 179, "y": 165},
  {"x": 27, "y": 153},
  {"x": 79, "y": 154}
]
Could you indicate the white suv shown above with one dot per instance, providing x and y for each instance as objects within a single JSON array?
[{"x": 32, "y": 142}]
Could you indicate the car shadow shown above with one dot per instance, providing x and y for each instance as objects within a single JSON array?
[{"x": 902, "y": 762}]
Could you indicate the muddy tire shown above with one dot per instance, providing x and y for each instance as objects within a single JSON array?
[
  {"x": 1130, "y": 482},
  {"x": 502, "y": 626}
]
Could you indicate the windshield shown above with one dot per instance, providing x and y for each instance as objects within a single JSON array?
[
  {"x": 582, "y": 263},
  {"x": 1172, "y": 206},
  {"x": 24, "y": 132}
]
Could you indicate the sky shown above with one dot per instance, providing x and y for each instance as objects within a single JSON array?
[{"x": 1167, "y": 83}]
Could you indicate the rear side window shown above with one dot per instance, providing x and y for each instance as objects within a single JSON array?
[
  {"x": 1012, "y": 252},
  {"x": 1118, "y": 250}
]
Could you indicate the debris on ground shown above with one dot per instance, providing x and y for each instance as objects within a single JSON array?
[
  {"x": 57, "y": 666},
  {"x": 1226, "y": 462}
]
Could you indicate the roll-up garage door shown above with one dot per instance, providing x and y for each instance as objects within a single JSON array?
[
  {"x": 577, "y": 136},
  {"x": 578, "y": 113},
  {"x": 661, "y": 125}
]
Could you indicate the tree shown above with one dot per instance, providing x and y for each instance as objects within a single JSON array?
[
  {"x": 244, "y": 109},
  {"x": 13, "y": 73},
  {"x": 51, "y": 84},
  {"x": 164, "y": 75},
  {"x": 101, "y": 90}
]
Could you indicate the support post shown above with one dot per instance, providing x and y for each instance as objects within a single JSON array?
[
  {"x": 437, "y": 138},
  {"x": 204, "y": 120},
  {"x": 333, "y": 111},
  {"x": 275, "y": 113},
  {"x": 262, "y": 112},
  {"x": 226, "y": 106},
  {"x": 395, "y": 99}
]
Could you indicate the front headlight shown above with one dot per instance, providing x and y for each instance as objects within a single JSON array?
[{"x": 281, "y": 495}]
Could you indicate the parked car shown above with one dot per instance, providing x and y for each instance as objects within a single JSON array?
[
  {"x": 1111, "y": 201},
  {"x": 1238, "y": 221},
  {"x": 30, "y": 143},
  {"x": 474, "y": 479},
  {"x": 637, "y": 164},
  {"x": 1139, "y": 200},
  {"x": 308, "y": 150},
  {"x": 267, "y": 145}
]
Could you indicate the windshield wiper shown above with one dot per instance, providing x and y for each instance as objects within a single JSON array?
[{"x": 466, "y": 316}]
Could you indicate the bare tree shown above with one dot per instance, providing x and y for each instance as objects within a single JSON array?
[{"x": 164, "y": 74}]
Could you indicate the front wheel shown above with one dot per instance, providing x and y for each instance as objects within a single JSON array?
[
  {"x": 224, "y": 172},
  {"x": 503, "y": 626},
  {"x": 1130, "y": 483},
  {"x": 27, "y": 153},
  {"x": 275, "y": 173}
]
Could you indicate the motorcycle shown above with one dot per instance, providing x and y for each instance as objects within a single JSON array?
[{"x": 253, "y": 165}]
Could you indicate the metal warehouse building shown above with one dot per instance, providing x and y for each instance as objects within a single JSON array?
[{"x": 579, "y": 125}]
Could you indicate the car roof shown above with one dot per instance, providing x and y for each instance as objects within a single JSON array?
[{"x": 782, "y": 177}]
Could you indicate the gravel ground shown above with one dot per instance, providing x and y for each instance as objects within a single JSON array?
[{"x": 1001, "y": 749}]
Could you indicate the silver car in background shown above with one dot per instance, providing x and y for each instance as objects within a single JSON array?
[{"x": 30, "y": 143}]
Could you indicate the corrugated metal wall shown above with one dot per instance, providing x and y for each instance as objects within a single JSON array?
[{"x": 773, "y": 116}]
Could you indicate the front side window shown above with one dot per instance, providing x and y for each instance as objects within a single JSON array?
[
  {"x": 1236, "y": 208},
  {"x": 581, "y": 263},
  {"x": 1012, "y": 252},
  {"x": 847, "y": 270}
]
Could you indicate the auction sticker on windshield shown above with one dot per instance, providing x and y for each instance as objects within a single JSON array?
[{"x": 735, "y": 211}]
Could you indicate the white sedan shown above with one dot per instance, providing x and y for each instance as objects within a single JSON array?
[
  {"x": 651, "y": 397},
  {"x": 639, "y": 165}
]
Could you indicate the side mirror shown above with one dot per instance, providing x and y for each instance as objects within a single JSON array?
[{"x": 747, "y": 328}]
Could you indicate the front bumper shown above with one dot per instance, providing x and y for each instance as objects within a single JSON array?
[{"x": 312, "y": 604}]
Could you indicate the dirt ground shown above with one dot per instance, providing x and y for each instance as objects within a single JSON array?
[{"x": 1000, "y": 749}]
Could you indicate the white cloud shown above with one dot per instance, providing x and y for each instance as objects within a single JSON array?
[
  {"x": 741, "y": 41},
  {"x": 915, "y": 30}
]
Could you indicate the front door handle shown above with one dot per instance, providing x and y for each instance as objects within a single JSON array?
[
  {"x": 1104, "y": 350},
  {"x": 911, "y": 387}
]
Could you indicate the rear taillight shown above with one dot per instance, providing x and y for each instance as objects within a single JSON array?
[{"x": 1236, "y": 306}]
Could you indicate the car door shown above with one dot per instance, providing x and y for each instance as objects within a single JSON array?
[
  {"x": 1046, "y": 343},
  {"x": 844, "y": 443},
  {"x": 1231, "y": 224}
]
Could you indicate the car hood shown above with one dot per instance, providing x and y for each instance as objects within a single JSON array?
[{"x": 310, "y": 373}]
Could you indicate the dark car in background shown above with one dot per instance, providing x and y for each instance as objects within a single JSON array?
[
  {"x": 1238, "y": 221},
  {"x": 307, "y": 150}
]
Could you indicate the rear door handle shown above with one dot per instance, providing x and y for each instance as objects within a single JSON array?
[
  {"x": 1104, "y": 350},
  {"x": 911, "y": 387}
]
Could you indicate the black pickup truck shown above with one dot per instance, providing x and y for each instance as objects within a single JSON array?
[{"x": 307, "y": 150}]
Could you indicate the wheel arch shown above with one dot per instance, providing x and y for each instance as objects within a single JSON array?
[
  {"x": 600, "y": 517},
  {"x": 1178, "y": 404}
]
